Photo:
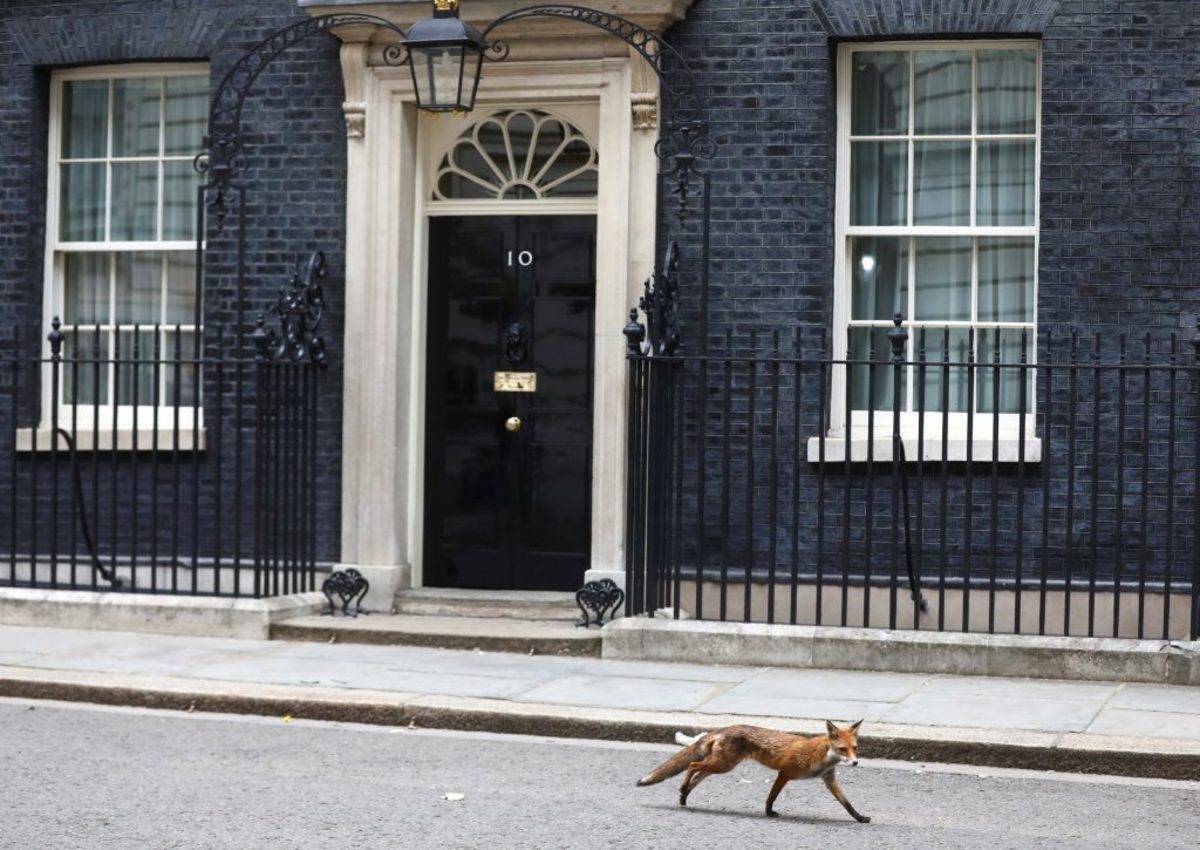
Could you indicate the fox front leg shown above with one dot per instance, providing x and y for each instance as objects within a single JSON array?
[
  {"x": 836, "y": 791},
  {"x": 780, "y": 781}
]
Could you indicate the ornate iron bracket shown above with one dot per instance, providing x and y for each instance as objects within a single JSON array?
[
  {"x": 300, "y": 308},
  {"x": 659, "y": 336},
  {"x": 349, "y": 586},
  {"x": 599, "y": 597}
]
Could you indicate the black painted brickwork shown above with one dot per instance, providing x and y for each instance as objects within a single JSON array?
[
  {"x": 1119, "y": 247},
  {"x": 294, "y": 179},
  {"x": 1119, "y": 155}
]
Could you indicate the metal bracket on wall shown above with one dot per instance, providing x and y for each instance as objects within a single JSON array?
[
  {"x": 349, "y": 586},
  {"x": 599, "y": 596}
]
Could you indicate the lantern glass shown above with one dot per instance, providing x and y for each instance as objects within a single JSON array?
[
  {"x": 472, "y": 60},
  {"x": 446, "y": 76}
]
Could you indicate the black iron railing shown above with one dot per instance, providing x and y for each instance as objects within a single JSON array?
[
  {"x": 1016, "y": 484},
  {"x": 133, "y": 463}
]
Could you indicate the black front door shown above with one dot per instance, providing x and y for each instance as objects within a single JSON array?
[{"x": 508, "y": 470}]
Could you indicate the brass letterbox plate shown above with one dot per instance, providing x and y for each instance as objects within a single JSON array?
[{"x": 515, "y": 382}]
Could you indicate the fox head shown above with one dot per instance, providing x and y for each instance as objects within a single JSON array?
[{"x": 843, "y": 743}]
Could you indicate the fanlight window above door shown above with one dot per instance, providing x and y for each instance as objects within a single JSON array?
[{"x": 518, "y": 155}]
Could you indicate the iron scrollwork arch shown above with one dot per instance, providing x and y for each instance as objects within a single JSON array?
[
  {"x": 686, "y": 140},
  {"x": 223, "y": 157},
  {"x": 677, "y": 78}
]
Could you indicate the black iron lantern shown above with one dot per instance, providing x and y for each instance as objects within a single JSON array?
[{"x": 446, "y": 56}]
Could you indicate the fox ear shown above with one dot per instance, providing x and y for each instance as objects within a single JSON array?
[
  {"x": 854, "y": 726},
  {"x": 831, "y": 729}
]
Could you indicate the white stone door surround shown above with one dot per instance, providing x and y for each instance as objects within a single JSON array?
[{"x": 579, "y": 70}]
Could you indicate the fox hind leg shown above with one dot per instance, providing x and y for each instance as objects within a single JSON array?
[
  {"x": 836, "y": 791},
  {"x": 700, "y": 770},
  {"x": 693, "y": 778}
]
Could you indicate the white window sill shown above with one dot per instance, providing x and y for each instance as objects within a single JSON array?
[
  {"x": 86, "y": 440},
  {"x": 1007, "y": 449}
]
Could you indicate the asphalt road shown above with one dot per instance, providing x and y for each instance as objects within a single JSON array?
[{"x": 126, "y": 779}]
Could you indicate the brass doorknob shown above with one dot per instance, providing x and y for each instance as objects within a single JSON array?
[{"x": 513, "y": 423}]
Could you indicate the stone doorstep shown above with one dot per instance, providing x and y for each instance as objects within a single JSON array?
[
  {"x": 514, "y": 604},
  {"x": 491, "y": 634},
  {"x": 969, "y": 654},
  {"x": 202, "y": 616},
  {"x": 1070, "y": 752}
]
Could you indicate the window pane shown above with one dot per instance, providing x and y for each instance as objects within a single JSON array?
[
  {"x": 1006, "y": 280},
  {"x": 134, "y": 200},
  {"x": 943, "y": 279},
  {"x": 138, "y": 288},
  {"x": 942, "y": 346},
  {"x": 1007, "y": 375},
  {"x": 879, "y": 277},
  {"x": 179, "y": 200},
  {"x": 1006, "y": 182},
  {"x": 179, "y": 373},
  {"x": 136, "y": 112},
  {"x": 872, "y": 344},
  {"x": 85, "y": 288},
  {"x": 136, "y": 360},
  {"x": 181, "y": 288},
  {"x": 84, "y": 118},
  {"x": 942, "y": 183},
  {"x": 879, "y": 94},
  {"x": 454, "y": 185},
  {"x": 878, "y": 183},
  {"x": 943, "y": 92},
  {"x": 81, "y": 202},
  {"x": 90, "y": 384},
  {"x": 572, "y": 163},
  {"x": 1007, "y": 91},
  {"x": 186, "y": 115}
]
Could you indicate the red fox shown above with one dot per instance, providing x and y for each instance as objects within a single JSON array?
[{"x": 794, "y": 756}]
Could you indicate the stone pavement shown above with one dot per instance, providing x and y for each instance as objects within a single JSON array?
[{"x": 1095, "y": 727}]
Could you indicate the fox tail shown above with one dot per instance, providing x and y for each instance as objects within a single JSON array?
[{"x": 694, "y": 749}]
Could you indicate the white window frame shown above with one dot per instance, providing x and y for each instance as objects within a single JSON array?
[
  {"x": 1008, "y": 430},
  {"x": 82, "y": 415}
]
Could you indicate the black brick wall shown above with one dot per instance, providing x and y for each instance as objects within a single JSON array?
[
  {"x": 1120, "y": 138},
  {"x": 1119, "y": 150},
  {"x": 294, "y": 183},
  {"x": 1117, "y": 253}
]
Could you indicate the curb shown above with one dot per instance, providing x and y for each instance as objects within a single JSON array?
[{"x": 1062, "y": 753}]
